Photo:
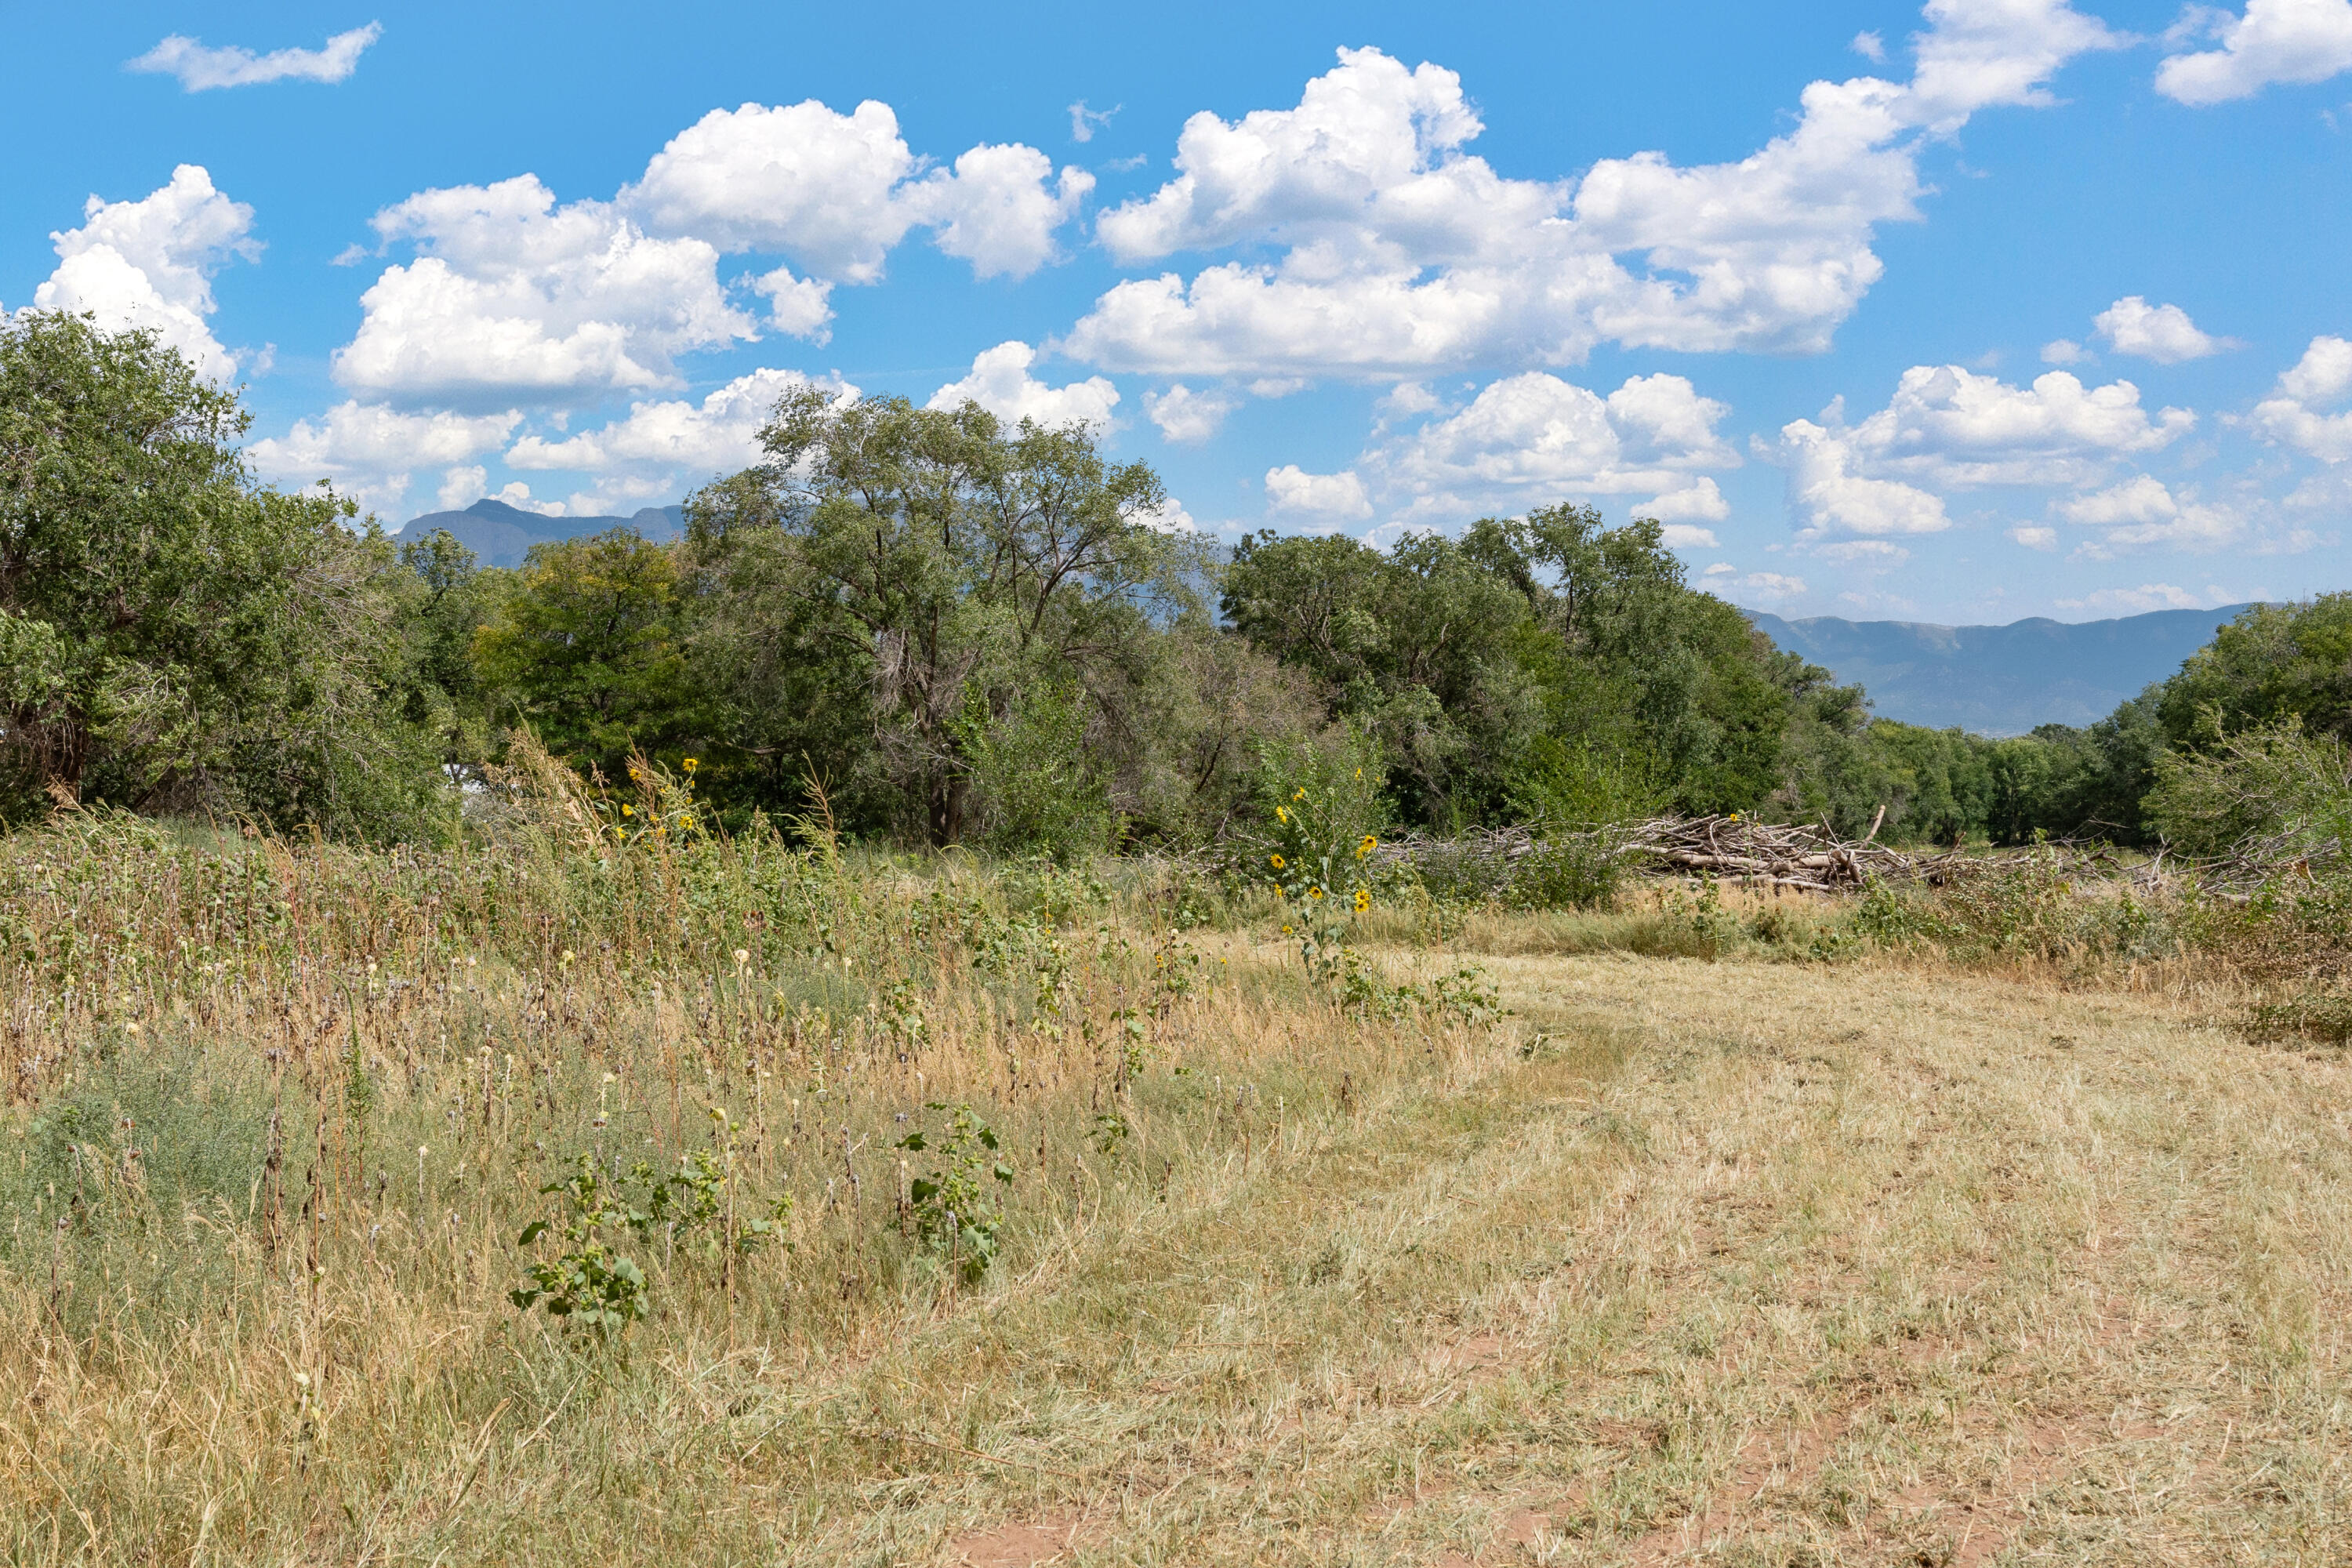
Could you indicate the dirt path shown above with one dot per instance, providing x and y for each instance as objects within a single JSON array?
[{"x": 1741, "y": 1264}]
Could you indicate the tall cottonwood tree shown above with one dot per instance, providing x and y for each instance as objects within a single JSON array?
[
  {"x": 931, "y": 562},
  {"x": 1539, "y": 657}
]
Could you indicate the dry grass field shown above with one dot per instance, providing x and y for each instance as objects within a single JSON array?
[
  {"x": 1749, "y": 1264},
  {"x": 1884, "y": 1260}
]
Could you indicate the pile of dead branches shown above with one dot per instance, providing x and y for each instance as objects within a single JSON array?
[
  {"x": 1784, "y": 855},
  {"x": 1729, "y": 848},
  {"x": 1744, "y": 849}
]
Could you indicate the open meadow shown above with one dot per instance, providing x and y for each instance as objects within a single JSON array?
[
  {"x": 1246, "y": 933},
  {"x": 1701, "y": 1231}
]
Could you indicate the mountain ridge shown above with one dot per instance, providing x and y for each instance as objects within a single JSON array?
[
  {"x": 501, "y": 535},
  {"x": 2004, "y": 680}
]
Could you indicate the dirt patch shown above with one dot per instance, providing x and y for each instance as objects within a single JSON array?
[
  {"x": 1014, "y": 1546},
  {"x": 1524, "y": 1528},
  {"x": 1476, "y": 1354},
  {"x": 1784, "y": 1461}
]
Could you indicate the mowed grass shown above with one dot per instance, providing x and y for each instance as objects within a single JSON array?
[
  {"x": 1740, "y": 1263},
  {"x": 1749, "y": 1265}
]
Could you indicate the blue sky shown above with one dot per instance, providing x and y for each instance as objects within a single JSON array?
[{"x": 1994, "y": 309}]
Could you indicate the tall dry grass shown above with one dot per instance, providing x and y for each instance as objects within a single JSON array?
[
  {"x": 1278, "y": 1279},
  {"x": 279, "y": 1112}
]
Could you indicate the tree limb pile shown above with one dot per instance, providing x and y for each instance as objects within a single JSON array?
[
  {"x": 1807, "y": 857},
  {"x": 1784, "y": 855}
]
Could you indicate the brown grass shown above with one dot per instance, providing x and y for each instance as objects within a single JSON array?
[{"x": 1737, "y": 1263}]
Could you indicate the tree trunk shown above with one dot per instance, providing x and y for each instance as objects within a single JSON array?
[
  {"x": 950, "y": 798},
  {"x": 60, "y": 751}
]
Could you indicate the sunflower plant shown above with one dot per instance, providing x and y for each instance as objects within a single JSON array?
[
  {"x": 1315, "y": 851},
  {"x": 663, "y": 810}
]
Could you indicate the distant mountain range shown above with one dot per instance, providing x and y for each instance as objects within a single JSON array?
[
  {"x": 500, "y": 535},
  {"x": 1999, "y": 680}
]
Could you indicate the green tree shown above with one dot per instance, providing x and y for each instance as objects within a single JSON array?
[
  {"x": 588, "y": 645},
  {"x": 2273, "y": 663},
  {"x": 1028, "y": 764},
  {"x": 1420, "y": 645},
  {"x": 170, "y": 634},
  {"x": 907, "y": 557},
  {"x": 1538, "y": 659},
  {"x": 443, "y": 599},
  {"x": 2275, "y": 790}
]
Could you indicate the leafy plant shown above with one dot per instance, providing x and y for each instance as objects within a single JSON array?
[
  {"x": 2322, "y": 1017},
  {"x": 2271, "y": 793},
  {"x": 588, "y": 1285},
  {"x": 1109, "y": 1132},
  {"x": 1036, "y": 792},
  {"x": 1468, "y": 996},
  {"x": 953, "y": 1207},
  {"x": 594, "y": 1287},
  {"x": 1701, "y": 916},
  {"x": 1363, "y": 991},
  {"x": 1315, "y": 851}
]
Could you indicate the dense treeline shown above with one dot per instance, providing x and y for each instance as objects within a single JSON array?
[{"x": 965, "y": 633}]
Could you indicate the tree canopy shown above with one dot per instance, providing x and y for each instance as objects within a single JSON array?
[
  {"x": 171, "y": 634},
  {"x": 965, "y": 631}
]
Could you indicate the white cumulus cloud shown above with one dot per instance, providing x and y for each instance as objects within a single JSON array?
[
  {"x": 2142, "y": 498},
  {"x": 2035, "y": 537},
  {"x": 2143, "y": 512},
  {"x": 999, "y": 210},
  {"x": 2291, "y": 41},
  {"x": 199, "y": 68},
  {"x": 1326, "y": 498},
  {"x": 1871, "y": 554},
  {"x": 1701, "y": 498},
  {"x": 1685, "y": 536},
  {"x": 2161, "y": 332},
  {"x": 2293, "y": 413},
  {"x": 518, "y": 494},
  {"x": 1188, "y": 417},
  {"x": 797, "y": 307},
  {"x": 1949, "y": 426},
  {"x": 1758, "y": 588},
  {"x": 1980, "y": 54},
  {"x": 836, "y": 192},
  {"x": 461, "y": 487},
  {"x": 1829, "y": 497},
  {"x": 1000, "y": 382},
  {"x": 800, "y": 180},
  {"x": 666, "y": 445},
  {"x": 1530, "y": 439},
  {"x": 149, "y": 263},
  {"x": 369, "y": 451},
  {"x": 2146, "y": 597},
  {"x": 511, "y": 296},
  {"x": 1401, "y": 250},
  {"x": 513, "y": 299}
]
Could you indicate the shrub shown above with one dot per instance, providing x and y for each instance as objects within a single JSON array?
[
  {"x": 952, "y": 1205},
  {"x": 2267, "y": 794},
  {"x": 1035, "y": 791},
  {"x": 1317, "y": 806},
  {"x": 2324, "y": 1017}
]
